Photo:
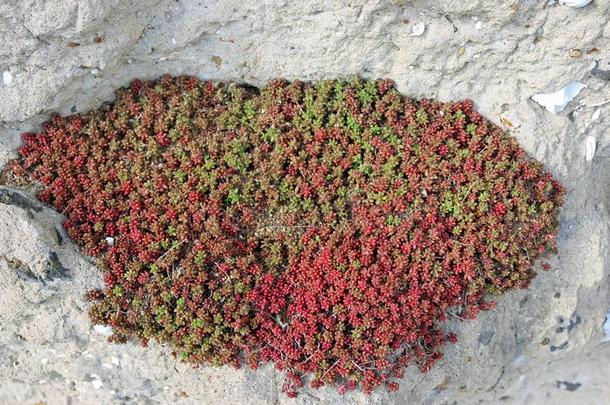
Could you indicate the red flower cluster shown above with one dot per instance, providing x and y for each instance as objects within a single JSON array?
[{"x": 325, "y": 227}]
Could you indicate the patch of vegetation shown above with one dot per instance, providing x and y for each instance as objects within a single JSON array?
[{"x": 326, "y": 227}]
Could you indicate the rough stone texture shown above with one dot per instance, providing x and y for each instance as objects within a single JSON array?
[{"x": 67, "y": 56}]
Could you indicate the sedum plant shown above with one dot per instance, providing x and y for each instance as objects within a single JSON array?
[{"x": 326, "y": 227}]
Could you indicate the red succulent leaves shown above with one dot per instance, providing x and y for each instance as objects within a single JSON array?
[{"x": 325, "y": 227}]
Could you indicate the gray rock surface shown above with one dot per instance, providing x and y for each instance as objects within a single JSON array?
[{"x": 68, "y": 56}]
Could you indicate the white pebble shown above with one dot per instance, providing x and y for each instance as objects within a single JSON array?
[{"x": 97, "y": 384}]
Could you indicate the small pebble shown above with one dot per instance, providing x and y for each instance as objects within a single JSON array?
[
  {"x": 575, "y": 53},
  {"x": 217, "y": 60},
  {"x": 568, "y": 386}
]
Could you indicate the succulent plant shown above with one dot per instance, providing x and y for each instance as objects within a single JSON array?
[{"x": 326, "y": 227}]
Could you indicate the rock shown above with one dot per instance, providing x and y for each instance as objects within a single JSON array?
[{"x": 43, "y": 276}]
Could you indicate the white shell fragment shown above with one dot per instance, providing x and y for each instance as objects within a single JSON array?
[
  {"x": 7, "y": 77},
  {"x": 418, "y": 29},
  {"x": 114, "y": 362},
  {"x": 110, "y": 240},
  {"x": 589, "y": 148},
  {"x": 556, "y": 102},
  {"x": 606, "y": 337},
  {"x": 97, "y": 384},
  {"x": 596, "y": 114},
  {"x": 103, "y": 329},
  {"x": 575, "y": 3}
]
